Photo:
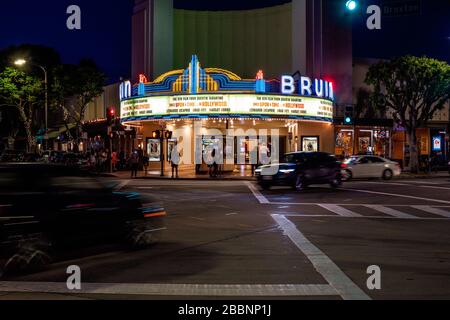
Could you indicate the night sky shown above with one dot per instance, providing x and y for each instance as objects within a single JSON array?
[{"x": 106, "y": 29}]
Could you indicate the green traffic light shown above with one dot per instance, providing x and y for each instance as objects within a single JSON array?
[
  {"x": 348, "y": 120},
  {"x": 351, "y": 5}
]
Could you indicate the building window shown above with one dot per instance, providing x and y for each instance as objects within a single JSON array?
[{"x": 310, "y": 144}]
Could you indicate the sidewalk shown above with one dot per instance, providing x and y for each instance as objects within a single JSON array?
[{"x": 186, "y": 175}]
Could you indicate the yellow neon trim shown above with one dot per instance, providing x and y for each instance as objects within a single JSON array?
[
  {"x": 230, "y": 74},
  {"x": 167, "y": 74}
]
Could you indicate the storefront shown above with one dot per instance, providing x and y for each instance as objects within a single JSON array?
[
  {"x": 363, "y": 140},
  {"x": 201, "y": 109}
]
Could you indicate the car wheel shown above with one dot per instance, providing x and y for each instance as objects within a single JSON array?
[
  {"x": 143, "y": 234},
  {"x": 31, "y": 254},
  {"x": 300, "y": 183},
  {"x": 388, "y": 175},
  {"x": 336, "y": 182},
  {"x": 348, "y": 175}
]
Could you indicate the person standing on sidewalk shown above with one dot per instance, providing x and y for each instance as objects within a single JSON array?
[
  {"x": 134, "y": 163},
  {"x": 175, "y": 161}
]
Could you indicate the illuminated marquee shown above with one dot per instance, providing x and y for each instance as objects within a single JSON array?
[
  {"x": 197, "y": 92},
  {"x": 226, "y": 105}
]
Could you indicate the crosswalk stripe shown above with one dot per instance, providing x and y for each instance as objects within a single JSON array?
[
  {"x": 339, "y": 210},
  {"x": 432, "y": 210},
  {"x": 391, "y": 212}
]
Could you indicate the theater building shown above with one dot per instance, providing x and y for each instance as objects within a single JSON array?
[
  {"x": 240, "y": 58},
  {"x": 203, "y": 106}
]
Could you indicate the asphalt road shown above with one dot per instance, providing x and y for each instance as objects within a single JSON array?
[{"x": 228, "y": 239}]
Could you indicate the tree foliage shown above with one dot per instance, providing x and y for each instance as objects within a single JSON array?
[
  {"x": 21, "y": 92},
  {"x": 414, "y": 89},
  {"x": 74, "y": 87}
]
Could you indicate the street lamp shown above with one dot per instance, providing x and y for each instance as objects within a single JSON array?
[{"x": 22, "y": 62}]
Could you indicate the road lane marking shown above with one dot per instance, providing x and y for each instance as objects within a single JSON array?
[
  {"x": 343, "y": 204},
  {"x": 206, "y": 290},
  {"x": 361, "y": 217},
  {"x": 339, "y": 210},
  {"x": 408, "y": 185},
  {"x": 232, "y": 214},
  {"x": 432, "y": 210},
  {"x": 121, "y": 185},
  {"x": 391, "y": 212},
  {"x": 258, "y": 195},
  {"x": 346, "y": 288},
  {"x": 397, "y": 195}
]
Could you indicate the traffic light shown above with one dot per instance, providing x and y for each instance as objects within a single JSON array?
[
  {"x": 351, "y": 5},
  {"x": 110, "y": 115},
  {"x": 348, "y": 116},
  {"x": 168, "y": 135},
  {"x": 156, "y": 134}
]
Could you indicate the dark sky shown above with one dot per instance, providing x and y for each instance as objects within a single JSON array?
[{"x": 106, "y": 28}]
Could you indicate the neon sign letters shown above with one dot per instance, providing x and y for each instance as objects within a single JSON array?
[{"x": 307, "y": 87}]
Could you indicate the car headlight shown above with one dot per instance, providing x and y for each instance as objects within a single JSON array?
[{"x": 287, "y": 170}]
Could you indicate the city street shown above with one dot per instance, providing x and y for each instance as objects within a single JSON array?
[{"x": 231, "y": 239}]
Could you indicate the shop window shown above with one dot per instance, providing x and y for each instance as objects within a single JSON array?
[{"x": 310, "y": 144}]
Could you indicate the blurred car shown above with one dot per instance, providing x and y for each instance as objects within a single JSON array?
[
  {"x": 56, "y": 156},
  {"x": 12, "y": 156},
  {"x": 46, "y": 210},
  {"x": 370, "y": 167},
  {"x": 30, "y": 157},
  {"x": 69, "y": 159},
  {"x": 301, "y": 169}
]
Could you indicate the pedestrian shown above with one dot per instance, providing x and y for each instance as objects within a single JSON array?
[
  {"x": 213, "y": 167},
  {"x": 175, "y": 161},
  {"x": 134, "y": 164},
  {"x": 92, "y": 161},
  {"x": 114, "y": 161},
  {"x": 145, "y": 162},
  {"x": 122, "y": 160}
]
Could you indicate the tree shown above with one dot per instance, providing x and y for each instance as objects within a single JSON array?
[
  {"x": 74, "y": 87},
  {"x": 22, "y": 92},
  {"x": 414, "y": 89}
]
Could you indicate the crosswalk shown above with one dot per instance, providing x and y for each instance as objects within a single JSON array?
[{"x": 412, "y": 212}]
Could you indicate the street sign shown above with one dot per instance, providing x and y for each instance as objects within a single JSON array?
[{"x": 398, "y": 8}]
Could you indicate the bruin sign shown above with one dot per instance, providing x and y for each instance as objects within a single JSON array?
[{"x": 307, "y": 87}]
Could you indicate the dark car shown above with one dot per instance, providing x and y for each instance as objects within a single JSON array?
[
  {"x": 300, "y": 169},
  {"x": 47, "y": 210}
]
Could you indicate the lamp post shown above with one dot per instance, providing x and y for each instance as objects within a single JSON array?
[{"x": 21, "y": 62}]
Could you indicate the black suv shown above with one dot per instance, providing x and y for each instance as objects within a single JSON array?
[
  {"x": 47, "y": 210},
  {"x": 301, "y": 169}
]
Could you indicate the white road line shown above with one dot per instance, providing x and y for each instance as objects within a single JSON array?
[
  {"x": 345, "y": 287},
  {"x": 408, "y": 185},
  {"x": 432, "y": 210},
  {"x": 343, "y": 204},
  {"x": 258, "y": 195},
  {"x": 361, "y": 217},
  {"x": 121, "y": 185},
  {"x": 208, "y": 290},
  {"x": 424, "y": 182},
  {"x": 391, "y": 212},
  {"x": 432, "y": 187},
  {"x": 339, "y": 210},
  {"x": 397, "y": 195}
]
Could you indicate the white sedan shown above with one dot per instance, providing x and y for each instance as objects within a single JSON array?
[{"x": 370, "y": 167}]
